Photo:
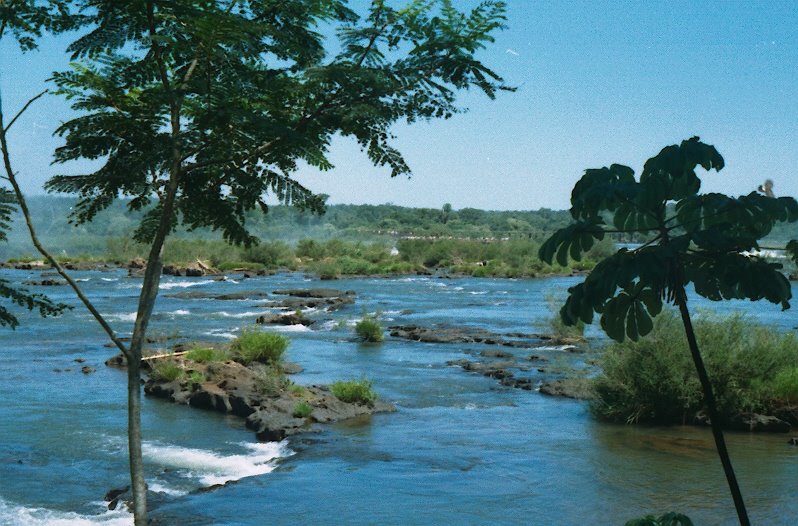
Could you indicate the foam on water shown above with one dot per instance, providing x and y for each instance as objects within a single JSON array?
[
  {"x": 222, "y": 333},
  {"x": 109, "y": 279},
  {"x": 183, "y": 284},
  {"x": 211, "y": 467},
  {"x": 15, "y": 515},
  {"x": 289, "y": 328},
  {"x": 121, "y": 316},
  {"x": 248, "y": 314}
]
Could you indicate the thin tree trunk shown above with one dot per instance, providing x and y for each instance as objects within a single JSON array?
[{"x": 709, "y": 398}]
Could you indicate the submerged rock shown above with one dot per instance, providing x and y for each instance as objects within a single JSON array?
[
  {"x": 577, "y": 388},
  {"x": 285, "y": 319},
  {"x": 444, "y": 334}
]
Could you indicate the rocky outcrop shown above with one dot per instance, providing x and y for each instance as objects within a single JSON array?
[
  {"x": 757, "y": 422},
  {"x": 45, "y": 283},
  {"x": 327, "y": 299},
  {"x": 293, "y": 318},
  {"x": 445, "y": 334},
  {"x": 315, "y": 293},
  {"x": 577, "y": 388},
  {"x": 233, "y": 296},
  {"x": 270, "y": 410}
]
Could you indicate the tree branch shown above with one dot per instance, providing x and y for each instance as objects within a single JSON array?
[{"x": 25, "y": 107}]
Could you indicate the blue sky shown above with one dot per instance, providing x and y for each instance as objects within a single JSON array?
[{"x": 598, "y": 83}]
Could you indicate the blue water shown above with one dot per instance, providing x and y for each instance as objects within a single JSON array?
[{"x": 461, "y": 449}]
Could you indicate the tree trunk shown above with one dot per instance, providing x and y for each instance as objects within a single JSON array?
[
  {"x": 709, "y": 398},
  {"x": 138, "y": 484}
]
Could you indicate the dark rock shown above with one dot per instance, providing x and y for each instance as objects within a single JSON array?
[
  {"x": 45, "y": 283},
  {"x": 443, "y": 334},
  {"x": 793, "y": 441},
  {"x": 284, "y": 319},
  {"x": 80, "y": 360},
  {"x": 315, "y": 293},
  {"x": 788, "y": 413},
  {"x": 757, "y": 422},
  {"x": 292, "y": 368},
  {"x": 496, "y": 354},
  {"x": 137, "y": 263},
  {"x": 536, "y": 358},
  {"x": 87, "y": 370}
]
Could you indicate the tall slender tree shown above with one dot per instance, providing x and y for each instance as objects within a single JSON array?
[
  {"x": 708, "y": 240},
  {"x": 199, "y": 109}
]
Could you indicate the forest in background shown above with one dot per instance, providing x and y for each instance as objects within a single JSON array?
[{"x": 346, "y": 240}]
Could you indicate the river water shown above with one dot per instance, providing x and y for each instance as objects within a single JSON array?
[{"x": 460, "y": 449}]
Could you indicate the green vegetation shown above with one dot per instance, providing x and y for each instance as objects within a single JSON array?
[
  {"x": 704, "y": 239},
  {"x": 206, "y": 355},
  {"x": 270, "y": 380},
  {"x": 752, "y": 367},
  {"x": 196, "y": 377},
  {"x": 557, "y": 328},
  {"x": 166, "y": 371},
  {"x": 369, "y": 330},
  {"x": 354, "y": 391},
  {"x": 303, "y": 410},
  {"x": 258, "y": 346},
  {"x": 343, "y": 242}
]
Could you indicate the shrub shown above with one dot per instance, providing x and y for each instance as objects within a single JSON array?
[
  {"x": 752, "y": 368},
  {"x": 354, "y": 391},
  {"x": 258, "y": 346},
  {"x": 206, "y": 355},
  {"x": 303, "y": 410},
  {"x": 558, "y": 329},
  {"x": 166, "y": 371},
  {"x": 369, "y": 330},
  {"x": 196, "y": 377}
]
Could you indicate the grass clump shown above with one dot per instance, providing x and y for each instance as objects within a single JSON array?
[
  {"x": 196, "y": 377},
  {"x": 270, "y": 380},
  {"x": 354, "y": 391},
  {"x": 206, "y": 355},
  {"x": 166, "y": 371},
  {"x": 752, "y": 368},
  {"x": 258, "y": 346},
  {"x": 303, "y": 410},
  {"x": 369, "y": 330}
]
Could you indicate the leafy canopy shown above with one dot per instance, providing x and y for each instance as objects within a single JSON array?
[
  {"x": 709, "y": 240},
  {"x": 24, "y": 21},
  {"x": 225, "y": 99}
]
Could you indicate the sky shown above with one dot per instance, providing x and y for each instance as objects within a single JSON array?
[{"x": 598, "y": 82}]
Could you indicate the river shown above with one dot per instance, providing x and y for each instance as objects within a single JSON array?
[{"x": 460, "y": 449}]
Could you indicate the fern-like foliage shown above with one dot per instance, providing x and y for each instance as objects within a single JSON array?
[
  {"x": 709, "y": 240},
  {"x": 228, "y": 98}
]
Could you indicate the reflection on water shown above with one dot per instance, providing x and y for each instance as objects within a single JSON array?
[{"x": 461, "y": 449}]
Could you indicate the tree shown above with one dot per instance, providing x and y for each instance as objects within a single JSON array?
[
  {"x": 707, "y": 240},
  {"x": 198, "y": 109}
]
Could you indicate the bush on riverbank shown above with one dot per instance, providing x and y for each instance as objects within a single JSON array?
[
  {"x": 206, "y": 355},
  {"x": 354, "y": 391},
  {"x": 257, "y": 346},
  {"x": 753, "y": 369},
  {"x": 369, "y": 330},
  {"x": 166, "y": 371}
]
